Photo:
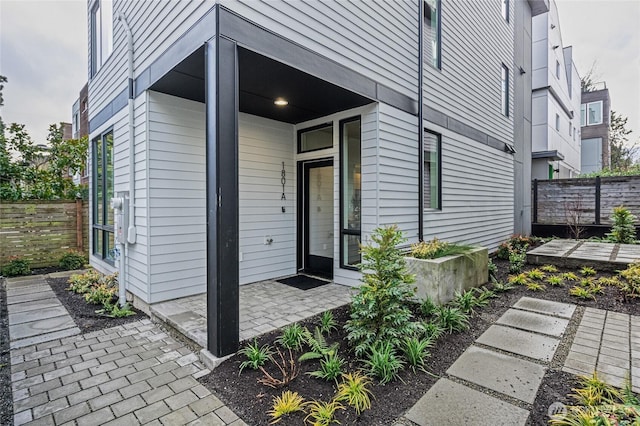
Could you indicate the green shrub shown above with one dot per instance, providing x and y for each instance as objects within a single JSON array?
[
  {"x": 631, "y": 284},
  {"x": 256, "y": 355},
  {"x": 517, "y": 259},
  {"x": 492, "y": 268},
  {"x": 72, "y": 260},
  {"x": 518, "y": 243},
  {"x": 428, "y": 307},
  {"x": 354, "y": 389},
  {"x": 416, "y": 352},
  {"x": 623, "y": 230},
  {"x": 327, "y": 322},
  {"x": 16, "y": 267},
  {"x": 323, "y": 413},
  {"x": 101, "y": 294},
  {"x": 330, "y": 367},
  {"x": 292, "y": 337},
  {"x": 452, "y": 319},
  {"x": 114, "y": 310},
  {"x": 437, "y": 248},
  {"x": 81, "y": 283},
  {"x": 383, "y": 362},
  {"x": 380, "y": 310}
]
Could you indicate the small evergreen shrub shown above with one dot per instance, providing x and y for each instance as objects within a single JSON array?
[
  {"x": 72, "y": 259},
  {"x": 437, "y": 248},
  {"x": 623, "y": 230},
  {"x": 17, "y": 266}
]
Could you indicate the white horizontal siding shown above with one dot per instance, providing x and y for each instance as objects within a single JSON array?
[
  {"x": 476, "y": 41},
  {"x": 263, "y": 146},
  {"x": 177, "y": 197},
  {"x": 477, "y": 194},
  {"x": 375, "y": 38}
]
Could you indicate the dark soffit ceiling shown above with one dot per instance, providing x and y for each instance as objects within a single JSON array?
[{"x": 262, "y": 80}]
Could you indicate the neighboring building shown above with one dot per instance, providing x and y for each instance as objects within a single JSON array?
[
  {"x": 80, "y": 128},
  {"x": 556, "y": 102},
  {"x": 254, "y": 140},
  {"x": 595, "y": 113}
]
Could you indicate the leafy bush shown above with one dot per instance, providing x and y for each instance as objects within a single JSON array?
[
  {"x": 292, "y": 336},
  {"x": 428, "y": 307},
  {"x": 330, "y": 367},
  {"x": 287, "y": 403},
  {"x": 256, "y": 355},
  {"x": 631, "y": 284},
  {"x": 318, "y": 344},
  {"x": 501, "y": 287},
  {"x": 517, "y": 259},
  {"x": 116, "y": 311},
  {"x": 81, "y": 283},
  {"x": 517, "y": 243},
  {"x": 327, "y": 322},
  {"x": 452, "y": 319},
  {"x": 73, "y": 259},
  {"x": 623, "y": 230},
  {"x": 102, "y": 294},
  {"x": 354, "y": 390},
  {"x": 437, "y": 248},
  {"x": 492, "y": 268},
  {"x": 379, "y": 311},
  {"x": 322, "y": 413},
  {"x": 17, "y": 266},
  {"x": 432, "y": 330}
]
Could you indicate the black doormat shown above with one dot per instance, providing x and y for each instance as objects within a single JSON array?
[{"x": 303, "y": 282}]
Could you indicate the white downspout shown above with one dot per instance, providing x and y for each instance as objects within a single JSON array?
[{"x": 131, "y": 230}]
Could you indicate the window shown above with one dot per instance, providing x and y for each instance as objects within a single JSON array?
[
  {"x": 102, "y": 186},
  {"x": 594, "y": 113},
  {"x": 558, "y": 70},
  {"x": 505, "y": 10},
  {"x": 315, "y": 138},
  {"x": 583, "y": 115},
  {"x": 557, "y": 122},
  {"x": 505, "y": 90},
  {"x": 432, "y": 32},
  {"x": 101, "y": 33},
  {"x": 431, "y": 170},
  {"x": 350, "y": 187}
]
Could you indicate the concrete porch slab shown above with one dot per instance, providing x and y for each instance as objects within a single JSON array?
[
  {"x": 450, "y": 403},
  {"x": 564, "y": 310},
  {"x": 505, "y": 374},
  {"x": 532, "y": 321},
  {"x": 520, "y": 342}
]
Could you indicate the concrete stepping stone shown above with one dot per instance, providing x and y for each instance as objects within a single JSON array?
[
  {"x": 564, "y": 310},
  {"x": 28, "y": 290},
  {"x": 28, "y": 316},
  {"x": 556, "y": 248},
  {"x": 41, "y": 295},
  {"x": 450, "y": 403},
  {"x": 520, "y": 342},
  {"x": 505, "y": 374},
  {"x": 16, "y": 283},
  {"x": 532, "y": 321},
  {"x": 43, "y": 326},
  {"x": 33, "y": 306}
]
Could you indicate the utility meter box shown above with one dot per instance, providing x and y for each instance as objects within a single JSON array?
[{"x": 120, "y": 205}]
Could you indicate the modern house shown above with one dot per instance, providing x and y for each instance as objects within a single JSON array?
[
  {"x": 556, "y": 102},
  {"x": 595, "y": 113},
  {"x": 253, "y": 140}
]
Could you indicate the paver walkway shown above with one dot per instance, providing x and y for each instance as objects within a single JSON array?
[
  {"x": 574, "y": 253},
  {"x": 264, "y": 306},
  {"x": 126, "y": 375},
  {"x": 509, "y": 359},
  {"x": 35, "y": 313},
  {"x": 608, "y": 343}
]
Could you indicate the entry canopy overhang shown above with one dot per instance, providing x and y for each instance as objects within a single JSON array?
[
  {"x": 549, "y": 155},
  {"x": 261, "y": 81}
]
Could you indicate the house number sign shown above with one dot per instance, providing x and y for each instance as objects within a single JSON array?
[{"x": 283, "y": 181}]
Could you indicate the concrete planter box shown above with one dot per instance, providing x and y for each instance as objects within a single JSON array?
[{"x": 440, "y": 278}]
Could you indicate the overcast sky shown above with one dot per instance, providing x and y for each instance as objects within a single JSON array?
[{"x": 43, "y": 53}]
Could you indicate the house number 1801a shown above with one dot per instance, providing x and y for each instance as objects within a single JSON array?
[{"x": 283, "y": 180}]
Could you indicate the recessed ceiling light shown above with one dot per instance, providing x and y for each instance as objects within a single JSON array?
[{"x": 281, "y": 102}]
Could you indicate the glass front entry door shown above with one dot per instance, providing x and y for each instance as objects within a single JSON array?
[{"x": 317, "y": 219}]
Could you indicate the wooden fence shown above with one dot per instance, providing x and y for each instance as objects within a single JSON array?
[
  {"x": 41, "y": 231},
  {"x": 587, "y": 202}
]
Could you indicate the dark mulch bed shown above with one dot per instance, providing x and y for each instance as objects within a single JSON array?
[
  {"x": 83, "y": 313},
  {"x": 556, "y": 386},
  {"x": 251, "y": 400},
  {"x": 6, "y": 398}
]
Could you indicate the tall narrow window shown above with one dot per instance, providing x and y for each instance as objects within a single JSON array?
[
  {"x": 101, "y": 33},
  {"x": 103, "y": 237},
  {"x": 505, "y": 90},
  {"x": 557, "y": 122},
  {"x": 583, "y": 115},
  {"x": 558, "y": 70},
  {"x": 432, "y": 32},
  {"x": 350, "y": 190},
  {"x": 431, "y": 170},
  {"x": 505, "y": 10},
  {"x": 594, "y": 113}
]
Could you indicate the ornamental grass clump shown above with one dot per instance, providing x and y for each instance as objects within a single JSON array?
[{"x": 380, "y": 310}]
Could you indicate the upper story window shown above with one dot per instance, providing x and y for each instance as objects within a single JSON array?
[
  {"x": 505, "y": 90},
  {"x": 505, "y": 10},
  {"x": 557, "y": 122},
  {"x": 101, "y": 33},
  {"x": 583, "y": 115},
  {"x": 558, "y": 70},
  {"x": 432, "y": 32},
  {"x": 594, "y": 113},
  {"x": 431, "y": 170}
]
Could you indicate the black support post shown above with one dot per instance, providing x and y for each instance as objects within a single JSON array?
[
  {"x": 598, "y": 182},
  {"x": 221, "y": 86},
  {"x": 535, "y": 201}
]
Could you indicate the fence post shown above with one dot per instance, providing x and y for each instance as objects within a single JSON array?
[
  {"x": 79, "y": 244},
  {"x": 597, "y": 200},
  {"x": 535, "y": 201}
]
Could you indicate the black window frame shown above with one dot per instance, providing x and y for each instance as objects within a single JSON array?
[
  {"x": 343, "y": 232},
  {"x": 504, "y": 101},
  {"x": 311, "y": 129},
  {"x": 439, "y": 177},
  {"x": 103, "y": 227}
]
